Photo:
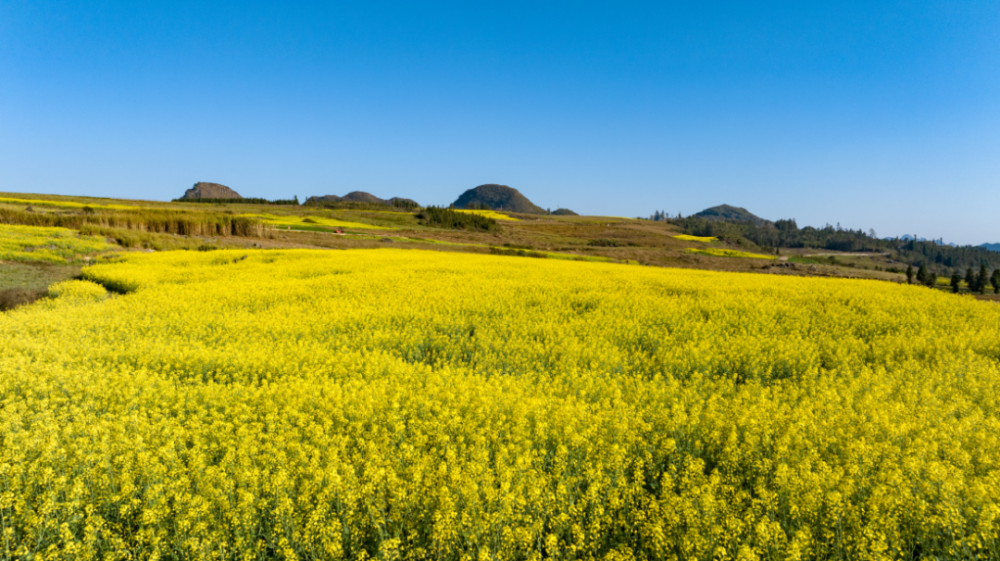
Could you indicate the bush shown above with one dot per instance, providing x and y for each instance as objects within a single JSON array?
[
  {"x": 243, "y": 201},
  {"x": 606, "y": 242},
  {"x": 447, "y": 218}
]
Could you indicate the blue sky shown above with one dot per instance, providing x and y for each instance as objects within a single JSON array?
[{"x": 881, "y": 115}]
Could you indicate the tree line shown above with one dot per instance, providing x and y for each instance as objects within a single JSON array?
[
  {"x": 449, "y": 218},
  {"x": 933, "y": 256},
  {"x": 976, "y": 282},
  {"x": 243, "y": 201}
]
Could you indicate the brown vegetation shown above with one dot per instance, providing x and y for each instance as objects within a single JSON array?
[
  {"x": 11, "y": 298},
  {"x": 193, "y": 223}
]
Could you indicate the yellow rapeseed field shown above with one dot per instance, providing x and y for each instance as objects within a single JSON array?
[
  {"x": 394, "y": 404},
  {"x": 718, "y": 252},
  {"x": 61, "y": 204},
  {"x": 489, "y": 214},
  {"x": 689, "y": 238},
  {"x": 53, "y": 245},
  {"x": 313, "y": 223}
]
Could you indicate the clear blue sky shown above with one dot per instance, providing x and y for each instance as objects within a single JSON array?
[{"x": 880, "y": 115}]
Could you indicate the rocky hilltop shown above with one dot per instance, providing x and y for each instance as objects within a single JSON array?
[
  {"x": 205, "y": 190},
  {"x": 497, "y": 197}
]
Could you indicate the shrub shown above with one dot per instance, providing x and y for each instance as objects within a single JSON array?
[
  {"x": 243, "y": 201},
  {"x": 447, "y": 218},
  {"x": 606, "y": 242}
]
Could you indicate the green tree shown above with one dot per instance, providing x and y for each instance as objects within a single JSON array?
[
  {"x": 995, "y": 281},
  {"x": 956, "y": 281},
  {"x": 922, "y": 275},
  {"x": 931, "y": 280},
  {"x": 983, "y": 279},
  {"x": 970, "y": 279},
  {"x": 909, "y": 274}
]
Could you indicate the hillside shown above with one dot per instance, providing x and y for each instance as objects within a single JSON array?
[
  {"x": 206, "y": 190},
  {"x": 730, "y": 214},
  {"x": 677, "y": 242},
  {"x": 497, "y": 197}
]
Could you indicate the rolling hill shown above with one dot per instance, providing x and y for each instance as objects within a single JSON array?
[
  {"x": 362, "y": 197},
  {"x": 497, "y": 197},
  {"x": 729, "y": 213}
]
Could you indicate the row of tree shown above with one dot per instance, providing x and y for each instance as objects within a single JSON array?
[
  {"x": 243, "y": 201},
  {"x": 922, "y": 276},
  {"x": 976, "y": 282},
  {"x": 933, "y": 256},
  {"x": 449, "y": 218}
]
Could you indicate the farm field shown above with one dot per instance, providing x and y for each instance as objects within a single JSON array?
[
  {"x": 177, "y": 225},
  {"x": 405, "y": 404},
  {"x": 49, "y": 245}
]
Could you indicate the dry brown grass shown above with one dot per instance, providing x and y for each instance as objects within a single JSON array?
[{"x": 11, "y": 298}]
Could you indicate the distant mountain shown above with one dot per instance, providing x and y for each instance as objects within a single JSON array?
[
  {"x": 497, "y": 197},
  {"x": 205, "y": 190},
  {"x": 352, "y": 197},
  {"x": 564, "y": 212},
  {"x": 401, "y": 202},
  {"x": 991, "y": 246},
  {"x": 907, "y": 237},
  {"x": 362, "y": 197},
  {"x": 727, "y": 213}
]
